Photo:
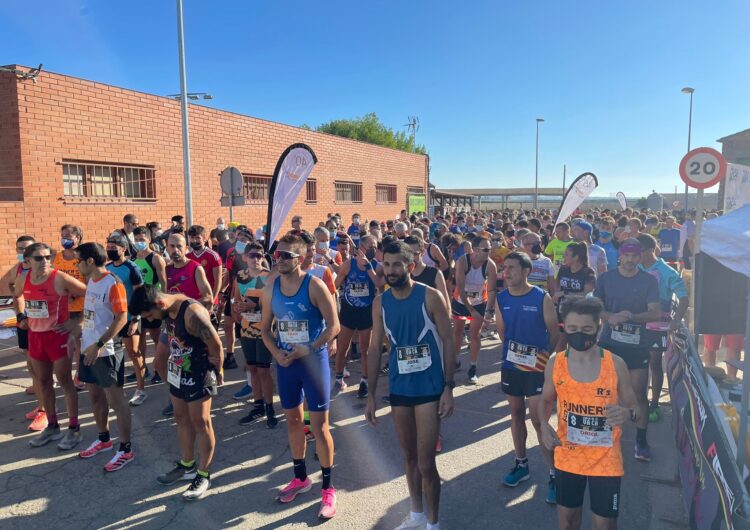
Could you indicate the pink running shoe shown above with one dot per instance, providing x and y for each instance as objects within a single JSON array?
[
  {"x": 294, "y": 488},
  {"x": 95, "y": 448},
  {"x": 40, "y": 421},
  {"x": 32, "y": 414},
  {"x": 119, "y": 461},
  {"x": 328, "y": 504}
]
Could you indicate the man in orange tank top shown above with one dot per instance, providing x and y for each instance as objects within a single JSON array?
[{"x": 594, "y": 397}]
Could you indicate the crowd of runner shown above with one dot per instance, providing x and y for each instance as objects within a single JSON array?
[{"x": 583, "y": 309}]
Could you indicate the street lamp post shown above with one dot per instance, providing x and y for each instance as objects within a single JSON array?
[
  {"x": 688, "y": 90},
  {"x": 184, "y": 108},
  {"x": 536, "y": 166}
]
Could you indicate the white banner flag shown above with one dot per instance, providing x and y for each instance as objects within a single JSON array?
[
  {"x": 737, "y": 187},
  {"x": 576, "y": 194},
  {"x": 294, "y": 166},
  {"x": 622, "y": 200}
]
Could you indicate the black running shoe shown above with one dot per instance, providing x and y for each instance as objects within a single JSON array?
[
  {"x": 256, "y": 413},
  {"x": 230, "y": 363},
  {"x": 362, "y": 392},
  {"x": 156, "y": 379},
  {"x": 271, "y": 420},
  {"x": 168, "y": 410}
]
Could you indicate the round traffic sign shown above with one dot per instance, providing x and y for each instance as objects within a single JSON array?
[
  {"x": 702, "y": 168},
  {"x": 231, "y": 181}
]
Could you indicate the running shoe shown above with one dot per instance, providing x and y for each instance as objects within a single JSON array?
[
  {"x": 386, "y": 399},
  {"x": 654, "y": 414},
  {"x": 138, "y": 398},
  {"x": 70, "y": 440},
  {"x": 642, "y": 452},
  {"x": 256, "y": 413},
  {"x": 309, "y": 436},
  {"x": 168, "y": 410},
  {"x": 120, "y": 460},
  {"x": 362, "y": 392},
  {"x": 47, "y": 435},
  {"x": 40, "y": 422},
  {"x": 230, "y": 363},
  {"x": 410, "y": 523},
  {"x": 518, "y": 474},
  {"x": 551, "y": 491},
  {"x": 177, "y": 473},
  {"x": 244, "y": 393},
  {"x": 156, "y": 379},
  {"x": 80, "y": 385},
  {"x": 472, "y": 374},
  {"x": 95, "y": 448},
  {"x": 338, "y": 387},
  {"x": 294, "y": 488},
  {"x": 385, "y": 370},
  {"x": 32, "y": 414},
  {"x": 197, "y": 488},
  {"x": 327, "y": 504},
  {"x": 271, "y": 420}
]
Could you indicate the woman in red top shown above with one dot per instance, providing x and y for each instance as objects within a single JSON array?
[{"x": 44, "y": 297}]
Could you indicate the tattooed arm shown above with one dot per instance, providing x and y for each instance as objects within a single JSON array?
[{"x": 198, "y": 324}]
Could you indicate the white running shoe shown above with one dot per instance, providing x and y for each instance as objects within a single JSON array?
[{"x": 138, "y": 398}]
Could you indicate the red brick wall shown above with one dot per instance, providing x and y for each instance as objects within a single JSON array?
[{"x": 62, "y": 117}]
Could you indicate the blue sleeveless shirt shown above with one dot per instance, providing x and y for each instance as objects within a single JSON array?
[
  {"x": 297, "y": 319},
  {"x": 416, "y": 360},
  {"x": 526, "y": 341},
  {"x": 359, "y": 289}
]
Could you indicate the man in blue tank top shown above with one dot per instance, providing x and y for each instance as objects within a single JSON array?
[
  {"x": 359, "y": 279},
  {"x": 527, "y": 324},
  {"x": 306, "y": 319},
  {"x": 414, "y": 318}
]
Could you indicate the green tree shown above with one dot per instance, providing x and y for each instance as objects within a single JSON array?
[
  {"x": 369, "y": 129},
  {"x": 642, "y": 203}
]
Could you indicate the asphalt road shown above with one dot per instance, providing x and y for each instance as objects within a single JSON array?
[{"x": 45, "y": 487}]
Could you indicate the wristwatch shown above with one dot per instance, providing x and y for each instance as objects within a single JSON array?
[
  {"x": 99, "y": 344},
  {"x": 20, "y": 317},
  {"x": 450, "y": 384}
]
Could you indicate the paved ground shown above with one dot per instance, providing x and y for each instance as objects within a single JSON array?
[{"x": 44, "y": 488}]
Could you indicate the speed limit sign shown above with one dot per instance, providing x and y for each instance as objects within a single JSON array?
[{"x": 702, "y": 168}]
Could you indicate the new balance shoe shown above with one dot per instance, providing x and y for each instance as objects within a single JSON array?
[
  {"x": 95, "y": 448},
  {"x": 518, "y": 474},
  {"x": 178, "y": 473},
  {"x": 49, "y": 434},
  {"x": 119, "y": 460},
  {"x": 327, "y": 504},
  {"x": 70, "y": 440},
  {"x": 289, "y": 492}
]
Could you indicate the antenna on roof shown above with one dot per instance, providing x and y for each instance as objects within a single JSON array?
[
  {"x": 22, "y": 75},
  {"x": 413, "y": 127}
]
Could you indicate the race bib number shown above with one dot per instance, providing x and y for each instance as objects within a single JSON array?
[
  {"x": 413, "y": 359},
  {"x": 88, "y": 319},
  {"x": 589, "y": 430},
  {"x": 359, "y": 290},
  {"x": 37, "y": 309},
  {"x": 294, "y": 331},
  {"x": 174, "y": 374},
  {"x": 522, "y": 354},
  {"x": 627, "y": 334},
  {"x": 474, "y": 297},
  {"x": 251, "y": 316},
  {"x": 666, "y": 247}
]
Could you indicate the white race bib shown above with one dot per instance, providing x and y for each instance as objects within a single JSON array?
[
  {"x": 666, "y": 247},
  {"x": 589, "y": 430},
  {"x": 294, "y": 331},
  {"x": 251, "y": 316},
  {"x": 88, "y": 319},
  {"x": 474, "y": 294},
  {"x": 37, "y": 309},
  {"x": 413, "y": 358},
  {"x": 359, "y": 290},
  {"x": 522, "y": 354},
  {"x": 627, "y": 334},
  {"x": 174, "y": 374}
]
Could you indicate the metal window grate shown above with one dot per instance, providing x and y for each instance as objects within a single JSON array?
[
  {"x": 256, "y": 188},
  {"x": 385, "y": 193},
  {"x": 311, "y": 187},
  {"x": 108, "y": 181},
  {"x": 348, "y": 192}
]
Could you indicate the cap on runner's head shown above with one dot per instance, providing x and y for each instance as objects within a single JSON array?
[
  {"x": 118, "y": 239},
  {"x": 585, "y": 225},
  {"x": 233, "y": 225},
  {"x": 631, "y": 246}
]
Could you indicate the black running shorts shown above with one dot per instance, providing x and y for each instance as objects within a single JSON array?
[{"x": 604, "y": 492}]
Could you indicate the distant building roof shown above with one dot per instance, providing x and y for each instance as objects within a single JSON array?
[{"x": 744, "y": 135}]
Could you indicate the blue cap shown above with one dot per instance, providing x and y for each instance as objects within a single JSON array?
[{"x": 585, "y": 226}]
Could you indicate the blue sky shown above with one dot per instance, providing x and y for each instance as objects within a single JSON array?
[{"x": 606, "y": 76}]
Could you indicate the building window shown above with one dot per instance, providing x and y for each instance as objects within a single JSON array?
[
  {"x": 257, "y": 188},
  {"x": 385, "y": 193},
  {"x": 312, "y": 190},
  {"x": 348, "y": 192},
  {"x": 418, "y": 190},
  {"x": 108, "y": 181}
]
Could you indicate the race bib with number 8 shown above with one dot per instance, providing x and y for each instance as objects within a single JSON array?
[
  {"x": 627, "y": 334},
  {"x": 522, "y": 354},
  {"x": 413, "y": 358},
  {"x": 588, "y": 430}
]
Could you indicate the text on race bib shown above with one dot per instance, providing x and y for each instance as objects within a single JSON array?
[
  {"x": 294, "y": 331},
  {"x": 37, "y": 309},
  {"x": 174, "y": 374},
  {"x": 627, "y": 334},
  {"x": 588, "y": 430},
  {"x": 251, "y": 316},
  {"x": 413, "y": 358},
  {"x": 359, "y": 290},
  {"x": 522, "y": 354}
]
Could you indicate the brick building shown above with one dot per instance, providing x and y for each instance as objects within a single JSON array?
[{"x": 83, "y": 152}]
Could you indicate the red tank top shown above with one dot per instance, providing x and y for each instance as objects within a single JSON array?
[
  {"x": 182, "y": 280},
  {"x": 44, "y": 307}
]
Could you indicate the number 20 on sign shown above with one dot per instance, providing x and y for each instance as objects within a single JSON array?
[{"x": 702, "y": 168}]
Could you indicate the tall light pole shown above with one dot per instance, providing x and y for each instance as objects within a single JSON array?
[
  {"x": 184, "y": 107},
  {"x": 688, "y": 90},
  {"x": 536, "y": 168}
]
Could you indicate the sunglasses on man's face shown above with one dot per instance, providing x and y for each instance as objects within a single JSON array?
[
  {"x": 284, "y": 255},
  {"x": 40, "y": 259},
  {"x": 255, "y": 255}
]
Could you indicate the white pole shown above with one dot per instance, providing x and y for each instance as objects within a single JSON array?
[{"x": 184, "y": 108}]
